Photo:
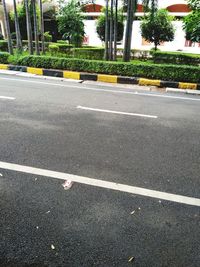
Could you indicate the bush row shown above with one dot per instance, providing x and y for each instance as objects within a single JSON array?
[
  {"x": 3, "y": 45},
  {"x": 58, "y": 49},
  {"x": 151, "y": 71},
  {"x": 176, "y": 58},
  {"x": 4, "y": 57}
]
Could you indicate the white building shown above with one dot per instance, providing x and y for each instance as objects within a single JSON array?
[{"x": 177, "y": 8}]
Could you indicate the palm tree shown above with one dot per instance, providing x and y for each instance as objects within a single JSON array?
[
  {"x": 37, "y": 49},
  {"x": 42, "y": 26},
  {"x": 7, "y": 26},
  {"x": 17, "y": 29},
  {"x": 115, "y": 30},
  {"x": 106, "y": 54},
  {"x": 132, "y": 6},
  {"x": 111, "y": 31},
  {"x": 29, "y": 28}
]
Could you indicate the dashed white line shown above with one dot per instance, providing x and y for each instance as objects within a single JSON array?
[
  {"x": 103, "y": 184},
  {"x": 117, "y": 112},
  {"x": 7, "y": 97}
]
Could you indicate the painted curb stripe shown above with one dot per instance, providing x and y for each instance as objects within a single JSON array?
[
  {"x": 36, "y": 71},
  {"x": 17, "y": 68},
  {"x": 3, "y": 67},
  {"x": 149, "y": 82},
  {"x": 101, "y": 77},
  {"x": 127, "y": 80},
  {"x": 53, "y": 73},
  {"x": 88, "y": 77},
  {"x": 107, "y": 78},
  {"x": 192, "y": 86},
  {"x": 71, "y": 75}
]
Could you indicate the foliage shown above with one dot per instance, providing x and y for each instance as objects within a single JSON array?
[
  {"x": 4, "y": 56},
  {"x": 152, "y": 71},
  {"x": 194, "y": 4},
  {"x": 158, "y": 28},
  {"x": 1, "y": 36},
  {"x": 47, "y": 37},
  {"x": 13, "y": 35},
  {"x": 70, "y": 22},
  {"x": 3, "y": 45},
  {"x": 100, "y": 26},
  {"x": 176, "y": 58},
  {"x": 88, "y": 53},
  {"x": 191, "y": 25}
]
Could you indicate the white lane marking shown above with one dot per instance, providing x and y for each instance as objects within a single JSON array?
[
  {"x": 104, "y": 184},
  {"x": 7, "y": 97},
  {"x": 105, "y": 90},
  {"x": 117, "y": 112}
]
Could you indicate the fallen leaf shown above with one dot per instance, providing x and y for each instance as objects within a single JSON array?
[
  {"x": 1, "y": 174},
  {"x": 52, "y": 246},
  {"x": 48, "y": 211},
  {"x": 132, "y": 212}
]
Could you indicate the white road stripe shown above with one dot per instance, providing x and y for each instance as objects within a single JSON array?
[
  {"x": 104, "y": 184},
  {"x": 7, "y": 97},
  {"x": 117, "y": 112},
  {"x": 105, "y": 90}
]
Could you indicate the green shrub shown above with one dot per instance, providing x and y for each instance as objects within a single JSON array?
[
  {"x": 176, "y": 58},
  {"x": 4, "y": 57},
  {"x": 47, "y": 37},
  {"x": 25, "y": 43},
  {"x": 88, "y": 53},
  {"x": 1, "y": 36},
  {"x": 3, "y": 45},
  {"x": 151, "y": 71},
  {"x": 53, "y": 49}
]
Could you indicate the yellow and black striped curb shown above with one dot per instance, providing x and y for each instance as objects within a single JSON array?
[{"x": 101, "y": 77}]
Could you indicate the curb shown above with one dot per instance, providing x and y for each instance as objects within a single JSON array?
[{"x": 102, "y": 77}]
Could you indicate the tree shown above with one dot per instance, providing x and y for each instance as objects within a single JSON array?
[
  {"x": 37, "y": 49},
  {"x": 131, "y": 9},
  {"x": 70, "y": 22},
  {"x": 17, "y": 28},
  {"x": 191, "y": 23},
  {"x": 106, "y": 32},
  {"x": 7, "y": 26},
  {"x": 159, "y": 28},
  {"x": 101, "y": 22},
  {"x": 115, "y": 30},
  {"x": 29, "y": 27},
  {"x": 42, "y": 26}
]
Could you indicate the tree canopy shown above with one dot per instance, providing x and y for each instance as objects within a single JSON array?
[{"x": 158, "y": 28}]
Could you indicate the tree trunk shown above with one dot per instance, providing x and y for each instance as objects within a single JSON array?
[
  {"x": 106, "y": 54},
  {"x": 129, "y": 25},
  {"x": 111, "y": 32},
  {"x": 115, "y": 30},
  {"x": 37, "y": 49},
  {"x": 29, "y": 28},
  {"x": 17, "y": 29},
  {"x": 7, "y": 26},
  {"x": 42, "y": 26}
]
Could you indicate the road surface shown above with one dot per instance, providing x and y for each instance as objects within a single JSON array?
[{"x": 134, "y": 157}]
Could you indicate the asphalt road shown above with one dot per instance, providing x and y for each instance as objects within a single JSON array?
[{"x": 115, "y": 134}]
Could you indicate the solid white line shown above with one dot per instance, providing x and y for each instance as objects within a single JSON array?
[
  {"x": 117, "y": 112},
  {"x": 7, "y": 97},
  {"x": 104, "y": 184},
  {"x": 105, "y": 90}
]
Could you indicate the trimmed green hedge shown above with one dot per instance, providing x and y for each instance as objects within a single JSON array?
[
  {"x": 4, "y": 57},
  {"x": 63, "y": 50},
  {"x": 151, "y": 71},
  {"x": 176, "y": 58},
  {"x": 3, "y": 45},
  {"x": 88, "y": 53}
]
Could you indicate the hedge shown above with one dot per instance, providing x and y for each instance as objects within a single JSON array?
[
  {"x": 4, "y": 57},
  {"x": 151, "y": 71},
  {"x": 57, "y": 49},
  {"x": 3, "y": 45},
  {"x": 176, "y": 58}
]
